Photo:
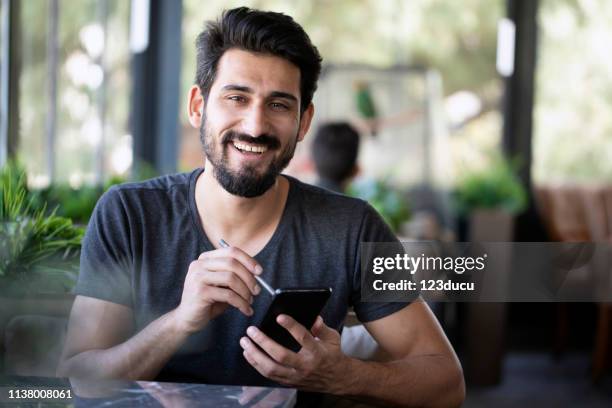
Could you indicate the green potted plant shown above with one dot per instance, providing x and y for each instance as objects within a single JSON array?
[
  {"x": 487, "y": 199},
  {"x": 78, "y": 203},
  {"x": 39, "y": 253},
  {"x": 65, "y": 201},
  {"x": 387, "y": 201},
  {"x": 39, "y": 257}
]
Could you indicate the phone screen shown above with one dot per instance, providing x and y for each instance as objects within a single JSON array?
[{"x": 303, "y": 304}]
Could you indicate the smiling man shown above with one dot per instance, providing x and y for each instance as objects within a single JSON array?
[{"x": 157, "y": 297}]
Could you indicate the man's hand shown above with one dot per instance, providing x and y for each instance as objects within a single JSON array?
[
  {"x": 320, "y": 365},
  {"x": 216, "y": 280}
]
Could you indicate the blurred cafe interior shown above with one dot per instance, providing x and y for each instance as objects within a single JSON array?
[{"x": 479, "y": 120}]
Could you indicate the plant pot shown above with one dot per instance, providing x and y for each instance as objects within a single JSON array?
[
  {"x": 485, "y": 326},
  {"x": 490, "y": 225},
  {"x": 36, "y": 308}
]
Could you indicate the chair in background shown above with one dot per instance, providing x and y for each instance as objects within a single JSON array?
[{"x": 581, "y": 213}]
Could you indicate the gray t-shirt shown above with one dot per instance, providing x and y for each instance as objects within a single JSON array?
[{"x": 142, "y": 237}]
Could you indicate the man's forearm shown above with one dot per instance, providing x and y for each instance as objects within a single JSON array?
[
  {"x": 139, "y": 358},
  {"x": 424, "y": 381}
]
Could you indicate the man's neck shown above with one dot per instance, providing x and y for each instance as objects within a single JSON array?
[{"x": 247, "y": 223}]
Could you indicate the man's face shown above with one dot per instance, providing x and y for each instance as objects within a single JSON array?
[{"x": 251, "y": 122}]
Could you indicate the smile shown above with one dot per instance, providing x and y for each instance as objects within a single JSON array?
[{"x": 245, "y": 147}]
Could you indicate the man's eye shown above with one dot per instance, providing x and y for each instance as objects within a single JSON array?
[
  {"x": 237, "y": 98},
  {"x": 278, "y": 106}
]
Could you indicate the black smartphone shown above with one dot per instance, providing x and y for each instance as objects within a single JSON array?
[{"x": 303, "y": 304}]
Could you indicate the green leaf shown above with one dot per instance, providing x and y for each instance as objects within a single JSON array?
[
  {"x": 495, "y": 187},
  {"x": 39, "y": 251}
]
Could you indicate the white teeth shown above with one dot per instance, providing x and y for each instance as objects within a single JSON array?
[{"x": 250, "y": 148}]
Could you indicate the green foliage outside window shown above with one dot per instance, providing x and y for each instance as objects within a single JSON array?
[{"x": 76, "y": 204}]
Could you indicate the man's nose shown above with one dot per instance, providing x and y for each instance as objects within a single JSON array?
[{"x": 255, "y": 121}]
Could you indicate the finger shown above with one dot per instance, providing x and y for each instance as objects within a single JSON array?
[
  {"x": 229, "y": 280},
  {"x": 264, "y": 364},
  {"x": 230, "y": 297},
  {"x": 299, "y": 332},
  {"x": 323, "y": 331},
  {"x": 248, "y": 261},
  {"x": 232, "y": 265},
  {"x": 279, "y": 353}
]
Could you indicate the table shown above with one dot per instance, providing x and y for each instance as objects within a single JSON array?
[{"x": 60, "y": 392}]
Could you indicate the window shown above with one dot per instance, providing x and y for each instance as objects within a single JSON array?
[
  {"x": 572, "y": 124},
  {"x": 74, "y": 88}
]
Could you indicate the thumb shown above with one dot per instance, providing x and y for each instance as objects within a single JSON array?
[{"x": 322, "y": 331}]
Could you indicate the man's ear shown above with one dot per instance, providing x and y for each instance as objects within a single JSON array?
[
  {"x": 305, "y": 122},
  {"x": 195, "y": 106}
]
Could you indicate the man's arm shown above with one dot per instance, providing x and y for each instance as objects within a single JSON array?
[
  {"x": 423, "y": 371},
  {"x": 98, "y": 343},
  {"x": 101, "y": 344}
]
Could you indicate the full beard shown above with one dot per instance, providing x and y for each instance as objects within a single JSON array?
[{"x": 246, "y": 181}]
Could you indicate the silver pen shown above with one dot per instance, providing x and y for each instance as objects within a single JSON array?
[{"x": 257, "y": 278}]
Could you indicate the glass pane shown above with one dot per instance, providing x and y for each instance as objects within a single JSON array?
[
  {"x": 79, "y": 129},
  {"x": 94, "y": 91},
  {"x": 33, "y": 86},
  {"x": 92, "y": 140},
  {"x": 573, "y": 127},
  {"x": 118, "y": 141}
]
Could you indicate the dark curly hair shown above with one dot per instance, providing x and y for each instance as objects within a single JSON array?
[{"x": 262, "y": 32}]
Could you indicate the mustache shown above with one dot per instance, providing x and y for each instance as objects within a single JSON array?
[{"x": 265, "y": 139}]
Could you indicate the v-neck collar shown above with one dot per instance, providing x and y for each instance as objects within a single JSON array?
[{"x": 279, "y": 232}]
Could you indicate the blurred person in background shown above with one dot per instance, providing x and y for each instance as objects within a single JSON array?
[{"x": 334, "y": 151}]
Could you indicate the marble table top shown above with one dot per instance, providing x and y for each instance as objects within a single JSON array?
[{"x": 115, "y": 394}]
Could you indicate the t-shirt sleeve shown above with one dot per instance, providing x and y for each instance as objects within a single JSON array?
[
  {"x": 373, "y": 229},
  {"x": 105, "y": 253}
]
